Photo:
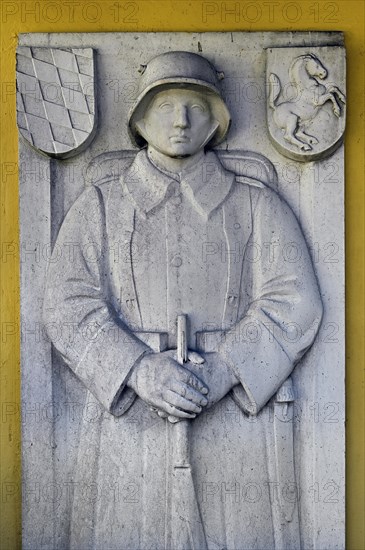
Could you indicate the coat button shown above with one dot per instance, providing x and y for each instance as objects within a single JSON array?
[{"x": 176, "y": 261}]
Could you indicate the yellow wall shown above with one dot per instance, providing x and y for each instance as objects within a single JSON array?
[{"x": 91, "y": 16}]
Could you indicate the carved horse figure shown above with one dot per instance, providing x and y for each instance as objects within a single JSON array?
[{"x": 294, "y": 115}]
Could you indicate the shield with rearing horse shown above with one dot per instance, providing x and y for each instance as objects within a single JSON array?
[{"x": 306, "y": 101}]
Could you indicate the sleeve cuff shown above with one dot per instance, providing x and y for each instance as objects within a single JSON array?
[
  {"x": 261, "y": 365},
  {"x": 106, "y": 364}
]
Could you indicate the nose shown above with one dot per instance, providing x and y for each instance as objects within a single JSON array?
[{"x": 181, "y": 117}]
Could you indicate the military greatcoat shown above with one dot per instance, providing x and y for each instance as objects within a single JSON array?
[{"x": 145, "y": 249}]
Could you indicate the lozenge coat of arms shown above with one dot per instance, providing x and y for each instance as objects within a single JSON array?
[{"x": 56, "y": 99}]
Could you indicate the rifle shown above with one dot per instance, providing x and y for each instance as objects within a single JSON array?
[{"x": 185, "y": 530}]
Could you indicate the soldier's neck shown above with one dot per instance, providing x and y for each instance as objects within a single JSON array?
[{"x": 171, "y": 164}]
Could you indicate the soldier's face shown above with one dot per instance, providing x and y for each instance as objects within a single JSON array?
[{"x": 178, "y": 123}]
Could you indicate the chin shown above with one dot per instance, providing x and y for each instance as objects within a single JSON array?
[
  {"x": 184, "y": 153},
  {"x": 179, "y": 154}
]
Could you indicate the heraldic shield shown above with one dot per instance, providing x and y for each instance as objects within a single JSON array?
[
  {"x": 306, "y": 100},
  {"x": 56, "y": 99}
]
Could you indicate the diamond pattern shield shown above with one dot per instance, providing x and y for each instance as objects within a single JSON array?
[{"x": 56, "y": 98}]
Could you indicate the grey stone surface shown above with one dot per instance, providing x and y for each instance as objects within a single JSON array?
[{"x": 182, "y": 291}]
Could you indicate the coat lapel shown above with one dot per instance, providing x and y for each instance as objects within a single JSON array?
[{"x": 206, "y": 184}]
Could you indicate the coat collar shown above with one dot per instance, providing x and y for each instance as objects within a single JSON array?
[{"x": 206, "y": 184}]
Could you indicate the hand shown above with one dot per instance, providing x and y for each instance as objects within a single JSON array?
[
  {"x": 216, "y": 375},
  {"x": 193, "y": 357},
  {"x": 167, "y": 386}
]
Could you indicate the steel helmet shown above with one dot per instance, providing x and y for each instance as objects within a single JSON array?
[{"x": 179, "y": 70}]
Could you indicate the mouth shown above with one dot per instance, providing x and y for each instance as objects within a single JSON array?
[{"x": 180, "y": 139}]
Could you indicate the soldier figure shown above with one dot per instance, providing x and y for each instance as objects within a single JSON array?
[{"x": 175, "y": 236}]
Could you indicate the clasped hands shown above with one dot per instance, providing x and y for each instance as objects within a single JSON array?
[{"x": 177, "y": 391}]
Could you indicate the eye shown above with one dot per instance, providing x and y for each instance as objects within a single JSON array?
[
  {"x": 198, "y": 108},
  {"x": 165, "y": 107}
]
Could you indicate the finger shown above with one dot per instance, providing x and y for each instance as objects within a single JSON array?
[
  {"x": 193, "y": 381},
  {"x": 174, "y": 411},
  {"x": 189, "y": 393},
  {"x": 182, "y": 403},
  {"x": 173, "y": 419},
  {"x": 162, "y": 414},
  {"x": 195, "y": 358}
]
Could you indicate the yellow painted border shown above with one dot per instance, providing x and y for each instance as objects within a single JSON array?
[{"x": 167, "y": 15}]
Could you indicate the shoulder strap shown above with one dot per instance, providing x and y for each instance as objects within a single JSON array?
[
  {"x": 237, "y": 222},
  {"x": 251, "y": 166},
  {"x": 108, "y": 166},
  {"x": 119, "y": 227}
]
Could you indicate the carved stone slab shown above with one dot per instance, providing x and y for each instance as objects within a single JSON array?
[{"x": 122, "y": 255}]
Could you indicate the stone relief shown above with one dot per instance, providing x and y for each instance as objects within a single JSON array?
[
  {"x": 173, "y": 317},
  {"x": 163, "y": 196}
]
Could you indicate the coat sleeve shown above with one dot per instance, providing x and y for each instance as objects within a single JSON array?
[
  {"x": 285, "y": 310},
  {"x": 77, "y": 313}
]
